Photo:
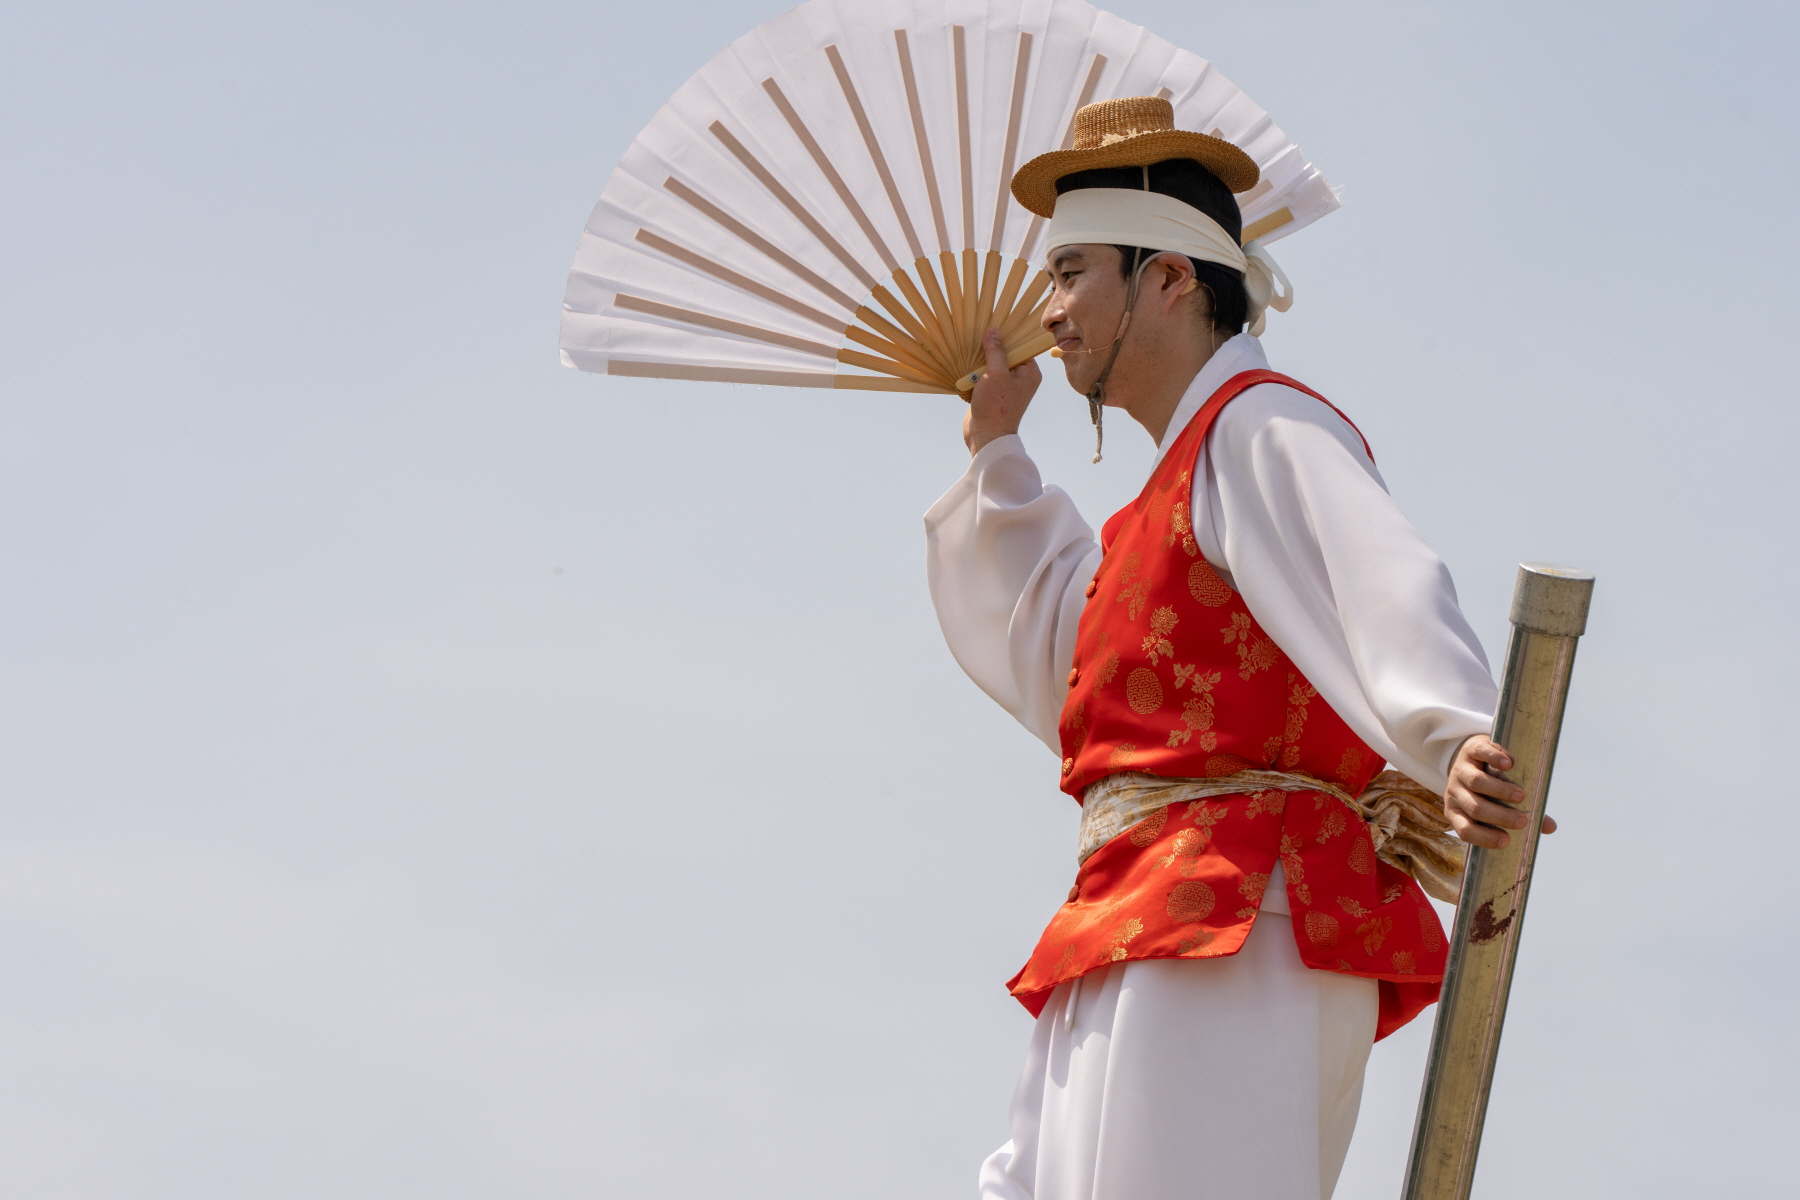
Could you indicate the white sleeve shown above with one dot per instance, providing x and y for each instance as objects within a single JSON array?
[
  {"x": 1334, "y": 572},
  {"x": 1009, "y": 561}
]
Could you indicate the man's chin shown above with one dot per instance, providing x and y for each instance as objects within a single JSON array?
[{"x": 1079, "y": 374}]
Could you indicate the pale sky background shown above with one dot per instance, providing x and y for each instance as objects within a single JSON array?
[{"x": 430, "y": 772}]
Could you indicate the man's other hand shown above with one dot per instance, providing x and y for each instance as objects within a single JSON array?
[
  {"x": 1479, "y": 805},
  {"x": 1000, "y": 397}
]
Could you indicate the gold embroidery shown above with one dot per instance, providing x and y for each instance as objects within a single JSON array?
[
  {"x": 1350, "y": 766},
  {"x": 1197, "y": 713},
  {"x": 1150, "y": 828},
  {"x": 1120, "y": 758},
  {"x": 1255, "y": 652},
  {"x": 1352, "y": 907},
  {"x": 1193, "y": 677},
  {"x": 1199, "y": 941},
  {"x": 1272, "y": 801},
  {"x": 1190, "y": 902},
  {"x": 1334, "y": 824},
  {"x": 1123, "y": 934},
  {"x": 1136, "y": 591},
  {"x": 1161, "y": 622},
  {"x": 1161, "y": 501},
  {"x": 1205, "y": 585},
  {"x": 1109, "y": 667},
  {"x": 1300, "y": 694},
  {"x": 1429, "y": 931},
  {"x": 1109, "y": 664},
  {"x": 1181, "y": 520},
  {"x": 1143, "y": 691},
  {"x": 1294, "y": 868},
  {"x": 1205, "y": 816},
  {"x": 1374, "y": 932},
  {"x": 1065, "y": 963},
  {"x": 1251, "y": 887},
  {"x": 1221, "y": 765},
  {"x": 1188, "y": 847},
  {"x": 1362, "y": 856},
  {"x": 1392, "y": 892},
  {"x": 1403, "y": 962},
  {"x": 1321, "y": 929},
  {"x": 1077, "y": 731}
]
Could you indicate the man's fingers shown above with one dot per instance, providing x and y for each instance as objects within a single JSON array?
[
  {"x": 1479, "y": 804},
  {"x": 1499, "y": 815},
  {"x": 1481, "y": 835},
  {"x": 1471, "y": 807},
  {"x": 1484, "y": 784},
  {"x": 994, "y": 352},
  {"x": 1460, "y": 813},
  {"x": 1485, "y": 749}
]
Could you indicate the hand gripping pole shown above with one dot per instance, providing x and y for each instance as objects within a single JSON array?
[{"x": 1549, "y": 614}]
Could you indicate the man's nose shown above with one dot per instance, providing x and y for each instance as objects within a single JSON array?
[{"x": 1053, "y": 313}]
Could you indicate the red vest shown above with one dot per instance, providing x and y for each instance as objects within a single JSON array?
[
  {"x": 1172, "y": 674},
  {"x": 1174, "y": 677}
]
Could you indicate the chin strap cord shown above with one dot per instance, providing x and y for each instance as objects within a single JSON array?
[{"x": 1096, "y": 396}]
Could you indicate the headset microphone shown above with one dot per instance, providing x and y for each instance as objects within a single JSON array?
[{"x": 1058, "y": 351}]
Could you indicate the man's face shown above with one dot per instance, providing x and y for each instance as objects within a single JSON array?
[{"x": 1087, "y": 302}]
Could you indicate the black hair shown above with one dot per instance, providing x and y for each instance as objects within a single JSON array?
[{"x": 1187, "y": 181}]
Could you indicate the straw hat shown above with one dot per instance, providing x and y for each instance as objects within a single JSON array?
[{"x": 1135, "y": 131}]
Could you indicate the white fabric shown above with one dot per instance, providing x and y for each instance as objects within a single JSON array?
[
  {"x": 1275, "y": 900},
  {"x": 1232, "y": 1079},
  {"x": 1290, "y": 511},
  {"x": 1130, "y": 217},
  {"x": 1260, "y": 280}
]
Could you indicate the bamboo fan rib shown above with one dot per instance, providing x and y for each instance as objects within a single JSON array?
[{"x": 826, "y": 203}]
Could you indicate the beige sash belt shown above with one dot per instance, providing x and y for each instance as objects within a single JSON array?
[{"x": 1405, "y": 819}]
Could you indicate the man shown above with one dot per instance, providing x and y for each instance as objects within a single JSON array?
[{"x": 1221, "y": 677}]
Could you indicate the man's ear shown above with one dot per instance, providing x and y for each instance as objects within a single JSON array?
[{"x": 1177, "y": 280}]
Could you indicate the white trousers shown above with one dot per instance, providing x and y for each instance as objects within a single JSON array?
[{"x": 1219, "y": 1079}]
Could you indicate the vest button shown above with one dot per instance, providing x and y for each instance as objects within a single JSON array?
[
  {"x": 1092, "y": 587},
  {"x": 1068, "y": 765},
  {"x": 1074, "y": 675}
]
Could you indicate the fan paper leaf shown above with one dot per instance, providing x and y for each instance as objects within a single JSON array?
[{"x": 826, "y": 203}]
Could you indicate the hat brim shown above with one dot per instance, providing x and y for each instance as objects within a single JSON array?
[{"x": 1034, "y": 186}]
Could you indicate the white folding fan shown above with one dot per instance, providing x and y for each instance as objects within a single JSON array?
[{"x": 827, "y": 204}]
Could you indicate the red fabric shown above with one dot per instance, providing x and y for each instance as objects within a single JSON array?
[{"x": 1187, "y": 882}]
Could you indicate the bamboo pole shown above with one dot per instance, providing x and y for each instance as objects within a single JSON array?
[{"x": 1549, "y": 614}]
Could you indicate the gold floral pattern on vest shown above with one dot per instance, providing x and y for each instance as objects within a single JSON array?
[{"x": 1174, "y": 677}]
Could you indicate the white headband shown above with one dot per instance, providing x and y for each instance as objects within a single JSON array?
[{"x": 1127, "y": 217}]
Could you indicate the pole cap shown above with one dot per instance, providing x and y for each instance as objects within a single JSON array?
[{"x": 1552, "y": 599}]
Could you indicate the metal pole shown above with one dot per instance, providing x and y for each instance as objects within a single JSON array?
[{"x": 1549, "y": 613}]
